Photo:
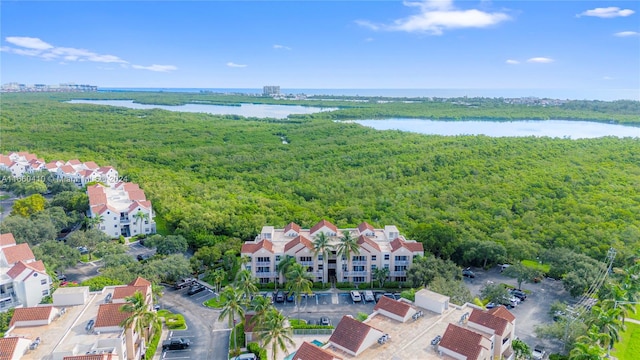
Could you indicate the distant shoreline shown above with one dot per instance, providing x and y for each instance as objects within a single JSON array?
[{"x": 565, "y": 94}]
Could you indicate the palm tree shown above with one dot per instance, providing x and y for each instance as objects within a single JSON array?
[
  {"x": 298, "y": 281},
  {"x": 246, "y": 284},
  {"x": 381, "y": 275},
  {"x": 607, "y": 321},
  {"x": 231, "y": 300},
  {"x": 218, "y": 276},
  {"x": 140, "y": 217},
  {"x": 260, "y": 305},
  {"x": 283, "y": 265},
  {"x": 140, "y": 315},
  {"x": 275, "y": 330},
  {"x": 348, "y": 245},
  {"x": 93, "y": 222},
  {"x": 588, "y": 347},
  {"x": 322, "y": 246}
]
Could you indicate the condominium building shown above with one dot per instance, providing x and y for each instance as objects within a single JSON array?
[
  {"x": 122, "y": 209},
  {"x": 23, "y": 280},
  {"x": 377, "y": 249}
]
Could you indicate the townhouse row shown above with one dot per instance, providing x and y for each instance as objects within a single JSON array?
[{"x": 377, "y": 249}]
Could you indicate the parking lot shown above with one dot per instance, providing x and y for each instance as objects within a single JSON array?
[
  {"x": 196, "y": 299},
  {"x": 532, "y": 312}
]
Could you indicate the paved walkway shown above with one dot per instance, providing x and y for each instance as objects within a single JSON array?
[{"x": 632, "y": 320}]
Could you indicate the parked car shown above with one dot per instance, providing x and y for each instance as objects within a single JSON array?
[
  {"x": 436, "y": 340},
  {"x": 175, "y": 344},
  {"x": 291, "y": 297},
  {"x": 538, "y": 352},
  {"x": 280, "y": 296},
  {"x": 504, "y": 267},
  {"x": 194, "y": 289},
  {"x": 83, "y": 250},
  {"x": 368, "y": 295},
  {"x": 249, "y": 356},
  {"x": 468, "y": 273},
  {"x": 519, "y": 294},
  {"x": 389, "y": 295},
  {"x": 90, "y": 324},
  {"x": 355, "y": 296},
  {"x": 378, "y": 295},
  {"x": 182, "y": 283},
  {"x": 325, "y": 321},
  {"x": 107, "y": 299},
  {"x": 62, "y": 277},
  {"x": 490, "y": 305}
]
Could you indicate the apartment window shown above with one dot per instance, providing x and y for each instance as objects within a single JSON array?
[
  {"x": 401, "y": 258},
  {"x": 115, "y": 226},
  {"x": 264, "y": 280},
  {"x": 386, "y": 266},
  {"x": 373, "y": 267},
  {"x": 249, "y": 268},
  {"x": 306, "y": 258},
  {"x": 358, "y": 268},
  {"x": 358, "y": 279},
  {"x": 277, "y": 258},
  {"x": 400, "y": 268},
  {"x": 320, "y": 266},
  {"x": 263, "y": 269},
  {"x": 310, "y": 269},
  {"x": 320, "y": 257},
  {"x": 45, "y": 292},
  {"x": 360, "y": 258},
  {"x": 115, "y": 218},
  {"x": 386, "y": 256},
  {"x": 43, "y": 282},
  {"x": 374, "y": 257},
  {"x": 263, "y": 259}
]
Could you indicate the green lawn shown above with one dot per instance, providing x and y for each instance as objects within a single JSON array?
[
  {"x": 637, "y": 314},
  {"x": 629, "y": 348},
  {"x": 173, "y": 321},
  {"x": 544, "y": 268},
  {"x": 213, "y": 303}
]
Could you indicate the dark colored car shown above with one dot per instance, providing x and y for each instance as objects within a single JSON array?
[
  {"x": 325, "y": 321},
  {"x": 519, "y": 294},
  {"x": 436, "y": 340},
  {"x": 90, "y": 324},
  {"x": 175, "y": 344},
  {"x": 62, "y": 277},
  {"x": 280, "y": 296},
  {"x": 194, "y": 289},
  {"x": 290, "y": 297},
  {"x": 468, "y": 273},
  {"x": 389, "y": 295}
]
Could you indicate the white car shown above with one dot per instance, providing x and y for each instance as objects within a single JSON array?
[
  {"x": 368, "y": 296},
  {"x": 249, "y": 356},
  {"x": 538, "y": 352},
  {"x": 355, "y": 296}
]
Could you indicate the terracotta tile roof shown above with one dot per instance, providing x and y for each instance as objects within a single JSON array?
[
  {"x": 67, "y": 169},
  {"x": 250, "y": 247},
  {"x": 8, "y": 347},
  {"x": 129, "y": 186},
  {"x": 105, "y": 169},
  {"x": 18, "y": 252},
  {"x": 365, "y": 240},
  {"x": 110, "y": 315},
  {"x": 74, "y": 162},
  {"x": 136, "y": 195},
  {"x": 31, "y": 314},
  {"x": 322, "y": 223},
  {"x": 51, "y": 165},
  {"x": 502, "y": 312},
  {"x": 140, "y": 281},
  {"x": 133, "y": 208},
  {"x": 308, "y": 351},
  {"x": 409, "y": 245},
  {"x": 486, "y": 319},
  {"x": 462, "y": 341},
  {"x": 7, "y": 239},
  {"x": 21, "y": 266},
  {"x": 298, "y": 240},
  {"x": 102, "y": 208},
  {"x": 91, "y": 165},
  {"x": 393, "y": 306},
  {"x": 350, "y": 333},
  {"x": 5, "y": 160},
  {"x": 122, "y": 292},
  {"x": 90, "y": 357},
  {"x": 292, "y": 226},
  {"x": 85, "y": 173},
  {"x": 248, "y": 325},
  {"x": 365, "y": 226}
]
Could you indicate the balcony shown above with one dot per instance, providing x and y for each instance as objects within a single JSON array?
[
  {"x": 263, "y": 263},
  {"x": 398, "y": 273},
  {"x": 356, "y": 273},
  {"x": 401, "y": 262},
  {"x": 125, "y": 221},
  {"x": 359, "y": 263},
  {"x": 332, "y": 266},
  {"x": 270, "y": 274},
  {"x": 317, "y": 273},
  {"x": 306, "y": 263}
]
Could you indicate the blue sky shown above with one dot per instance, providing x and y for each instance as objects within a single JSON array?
[{"x": 586, "y": 45}]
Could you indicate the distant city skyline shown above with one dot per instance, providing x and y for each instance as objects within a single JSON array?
[{"x": 571, "y": 48}]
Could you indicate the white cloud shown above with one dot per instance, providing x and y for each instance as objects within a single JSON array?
[
  {"x": 607, "y": 13},
  {"x": 435, "y": 16},
  {"x": 540, "y": 60},
  {"x": 234, "y": 65},
  {"x": 281, "y": 47},
  {"x": 28, "y": 42},
  {"x": 512, "y": 62},
  {"x": 28, "y": 46},
  {"x": 154, "y": 67},
  {"x": 626, "y": 33}
]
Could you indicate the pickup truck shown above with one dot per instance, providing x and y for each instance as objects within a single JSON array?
[
  {"x": 175, "y": 344},
  {"x": 184, "y": 283}
]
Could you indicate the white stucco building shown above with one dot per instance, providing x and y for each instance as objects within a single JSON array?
[{"x": 122, "y": 208}]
